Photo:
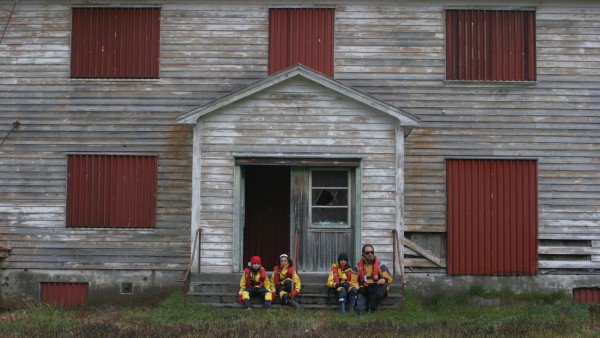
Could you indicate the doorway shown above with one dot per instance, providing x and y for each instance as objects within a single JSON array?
[
  {"x": 317, "y": 204},
  {"x": 266, "y": 213}
]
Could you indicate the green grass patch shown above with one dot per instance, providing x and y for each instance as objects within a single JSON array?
[{"x": 475, "y": 312}]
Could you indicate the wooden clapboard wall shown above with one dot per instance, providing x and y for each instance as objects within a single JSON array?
[{"x": 392, "y": 50}]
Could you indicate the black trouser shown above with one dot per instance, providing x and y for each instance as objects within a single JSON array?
[
  {"x": 346, "y": 293},
  {"x": 370, "y": 296},
  {"x": 286, "y": 287}
]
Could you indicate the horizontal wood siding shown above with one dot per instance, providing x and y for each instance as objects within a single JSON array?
[
  {"x": 397, "y": 53},
  {"x": 61, "y": 116},
  {"x": 392, "y": 50}
]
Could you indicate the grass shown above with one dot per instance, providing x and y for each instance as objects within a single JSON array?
[{"x": 473, "y": 313}]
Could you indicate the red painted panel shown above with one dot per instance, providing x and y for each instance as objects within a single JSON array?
[
  {"x": 587, "y": 295},
  {"x": 115, "y": 43},
  {"x": 492, "y": 217},
  {"x": 111, "y": 191},
  {"x": 490, "y": 45},
  {"x": 64, "y": 294},
  {"x": 301, "y": 35}
]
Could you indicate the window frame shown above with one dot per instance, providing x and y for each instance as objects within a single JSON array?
[
  {"x": 275, "y": 57},
  {"x": 492, "y": 216},
  {"x": 453, "y": 72},
  {"x": 107, "y": 211},
  {"x": 348, "y": 206},
  {"x": 98, "y": 51}
]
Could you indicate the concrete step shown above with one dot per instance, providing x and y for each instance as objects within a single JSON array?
[
  {"x": 216, "y": 287},
  {"x": 220, "y": 290}
]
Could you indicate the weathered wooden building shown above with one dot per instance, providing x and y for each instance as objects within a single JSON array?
[{"x": 468, "y": 130}]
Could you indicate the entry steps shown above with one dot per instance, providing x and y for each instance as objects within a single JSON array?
[{"x": 221, "y": 289}]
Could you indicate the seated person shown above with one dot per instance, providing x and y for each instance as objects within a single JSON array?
[
  {"x": 340, "y": 279},
  {"x": 254, "y": 282},
  {"x": 286, "y": 282},
  {"x": 373, "y": 281}
]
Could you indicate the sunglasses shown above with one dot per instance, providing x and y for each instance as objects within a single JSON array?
[{"x": 369, "y": 252}]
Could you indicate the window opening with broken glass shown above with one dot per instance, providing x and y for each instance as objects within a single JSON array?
[{"x": 329, "y": 198}]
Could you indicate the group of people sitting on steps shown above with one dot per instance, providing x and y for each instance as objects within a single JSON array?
[{"x": 359, "y": 289}]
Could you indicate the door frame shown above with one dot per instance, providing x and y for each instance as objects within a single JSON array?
[{"x": 312, "y": 162}]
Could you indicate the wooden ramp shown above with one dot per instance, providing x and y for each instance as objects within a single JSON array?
[{"x": 221, "y": 289}]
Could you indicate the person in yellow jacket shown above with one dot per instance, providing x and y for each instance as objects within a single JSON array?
[
  {"x": 373, "y": 281},
  {"x": 254, "y": 282},
  {"x": 340, "y": 279},
  {"x": 286, "y": 282}
]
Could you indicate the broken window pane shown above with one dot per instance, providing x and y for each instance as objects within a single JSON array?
[{"x": 329, "y": 197}]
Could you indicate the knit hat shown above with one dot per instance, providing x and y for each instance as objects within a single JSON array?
[
  {"x": 343, "y": 257},
  {"x": 255, "y": 260}
]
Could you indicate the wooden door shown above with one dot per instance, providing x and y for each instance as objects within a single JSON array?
[
  {"x": 324, "y": 204},
  {"x": 267, "y": 213}
]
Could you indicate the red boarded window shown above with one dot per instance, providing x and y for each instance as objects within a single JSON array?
[
  {"x": 111, "y": 191},
  {"x": 301, "y": 35},
  {"x": 64, "y": 294},
  {"x": 587, "y": 295},
  {"x": 492, "y": 217},
  {"x": 115, "y": 42},
  {"x": 490, "y": 45}
]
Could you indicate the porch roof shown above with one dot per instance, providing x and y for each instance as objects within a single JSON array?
[{"x": 406, "y": 119}]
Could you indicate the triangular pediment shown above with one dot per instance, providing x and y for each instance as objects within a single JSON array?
[{"x": 300, "y": 71}]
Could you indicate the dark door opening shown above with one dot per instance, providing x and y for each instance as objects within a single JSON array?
[{"x": 267, "y": 213}]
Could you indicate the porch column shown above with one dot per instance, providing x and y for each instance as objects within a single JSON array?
[
  {"x": 196, "y": 182},
  {"x": 400, "y": 195}
]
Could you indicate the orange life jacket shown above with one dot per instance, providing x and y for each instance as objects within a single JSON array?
[
  {"x": 361, "y": 271},
  {"x": 336, "y": 276},
  {"x": 290, "y": 273},
  {"x": 249, "y": 281}
]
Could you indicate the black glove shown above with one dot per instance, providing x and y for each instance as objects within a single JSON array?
[{"x": 339, "y": 285}]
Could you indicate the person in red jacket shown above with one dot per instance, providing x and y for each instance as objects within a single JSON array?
[
  {"x": 254, "y": 282},
  {"x": 286, "y": 282},
  {"x": 373, "y": 281},
  {"x": 340, "y": 279}
]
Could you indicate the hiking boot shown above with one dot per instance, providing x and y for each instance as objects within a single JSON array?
[
  {"x": 297, "y": 305},
  {"x": 342, "y": 305},
  {"x": 351, "y": 304}
]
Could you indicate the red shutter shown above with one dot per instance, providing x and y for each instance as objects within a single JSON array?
[
  {"x": 64, "y": 294},
  {"x": 111, "y": 191},
  {"x": 492, "y": 217},
  {"x": 587, "y": 295},
  {"x": 301, "y": 35},
  {"x": 115, "y": 43},
  {"x": 486, "y": 45}
]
